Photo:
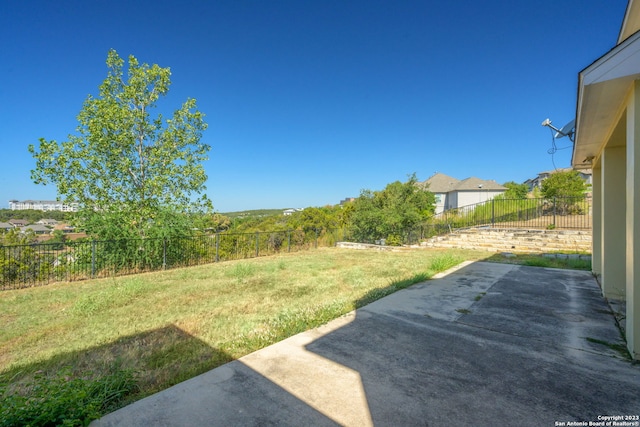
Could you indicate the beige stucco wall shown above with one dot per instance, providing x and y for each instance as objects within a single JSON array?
[
  {"x": 607, "y": 139},
  {"x": 632, "y": 225},
  {"x": 465, "y": 198},
  {"x": 441, "y": 199},
  {"x": 596, "y": 215},
  {"x": 613, "y": 216},
  {"x": 616, "y": 228}
]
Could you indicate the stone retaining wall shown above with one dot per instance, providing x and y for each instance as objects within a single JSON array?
[
  {"x": 515, "y": 240},
  {"x": 353, "y": 245}
]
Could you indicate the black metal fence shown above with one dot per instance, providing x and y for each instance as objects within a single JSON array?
[
  {"x": 536, "y": 213},
  {"x": 42, "y": 263},
  {"x": 556, "y": 213},
  {"x": 562, "y": 213}
]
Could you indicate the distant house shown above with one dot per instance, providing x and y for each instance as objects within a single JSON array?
[
  {"x": 37, "y": 229},
  {"x": 65, "y": 228},
  {"x": 452, "y": 193},
  {"x": 347, "y": 200},
  {"x": 5, "y": 226},
  {"x": 18, "y": 223},
  {"x": 291, "y": 211},
  {"x": 585, "y": 174},
  {"x": 47, "y": 221}
]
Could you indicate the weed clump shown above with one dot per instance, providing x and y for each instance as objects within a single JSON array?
[
  {"x": 62, "y": 399},
  {"x": 445, "y": 261}
]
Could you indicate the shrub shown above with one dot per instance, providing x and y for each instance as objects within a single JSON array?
[
  {"x": 394, "y": 240},
  {"x": 63, "y": 400}
]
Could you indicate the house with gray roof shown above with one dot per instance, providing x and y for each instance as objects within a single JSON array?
[
  {"x": 452, "y": 193},
  {"x": 65, "y": 228},
  {"x": 36, "y": 228},
  {"x": 17, "y": 223},
  {"x": 47, "y": 221}
]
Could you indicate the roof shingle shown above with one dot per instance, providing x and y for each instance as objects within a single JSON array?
[{"x": 441, "y": 183}]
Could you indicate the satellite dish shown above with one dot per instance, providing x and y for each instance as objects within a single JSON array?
[{"x": 566, "y": 130}]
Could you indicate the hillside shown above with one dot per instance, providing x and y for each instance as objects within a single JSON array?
[{"x": 256, "y": 213}]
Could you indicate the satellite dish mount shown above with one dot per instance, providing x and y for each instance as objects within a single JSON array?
[{"x": 567, "y": 130}]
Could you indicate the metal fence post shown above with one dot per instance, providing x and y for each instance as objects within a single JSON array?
[
  {"x": 93, "y": 259},
  {"x": 554, "y": 211},
  {"x": 217, "y": 247},
  {"x": 316, "y": 231},
  {"x": 164, "y": 253},
  {"x": 288, "y": 240},
  {"x": 257, "y": 243},
  {"x": 493, "y": 212}
]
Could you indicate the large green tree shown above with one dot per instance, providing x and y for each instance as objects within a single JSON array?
[
  {"x": 131, "y": 173},
  {"x": 315, "y": 219},
  {"x": 563, "y": 184},
  {"x": 565, "y": 189},
  {"x": 515, "y": 190},
  {"x": 392, "y": 212}
]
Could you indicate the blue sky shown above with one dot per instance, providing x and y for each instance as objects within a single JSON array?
[{"x": 309, "y": 102}]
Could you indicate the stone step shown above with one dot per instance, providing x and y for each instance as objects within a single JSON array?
[{"x": 515, "y": 240}]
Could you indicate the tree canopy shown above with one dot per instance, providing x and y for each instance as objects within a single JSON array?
[
  {"x": 563, "y": 184},
  {"x": 386, "y": 214},
  {"x": 131, "y": 173},
  {"x": 515, "y": 190},
  {"x": 391, "y": 212}
]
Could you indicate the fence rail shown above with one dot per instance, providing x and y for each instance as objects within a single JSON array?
[{"x": 39, "y": 264}]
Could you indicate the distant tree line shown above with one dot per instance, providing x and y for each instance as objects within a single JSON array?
[
  {"x": 33, "y": 216},
  {"x": 382, "y": 214}
]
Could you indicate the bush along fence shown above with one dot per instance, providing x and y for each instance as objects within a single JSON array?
[
  {"x": 534, "y": 213},
  {"x": 39, "y": 264},
  {"x": 556, "y": 213}
]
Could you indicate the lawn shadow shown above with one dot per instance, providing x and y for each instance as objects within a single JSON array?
[{"x": 159, "y": 354}]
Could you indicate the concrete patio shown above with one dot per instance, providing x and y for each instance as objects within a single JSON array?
[{"x": 483, "y": 345}]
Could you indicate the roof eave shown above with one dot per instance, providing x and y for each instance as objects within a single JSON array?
[
  {"x": 602, "y": 88},
  {"x": 631, "y": 22}
]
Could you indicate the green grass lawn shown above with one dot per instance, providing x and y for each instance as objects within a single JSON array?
[
  {"x": 169, "y": 326},
  {"x": 162, "y": 328},
  {"x": 537, "y": 260}
]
